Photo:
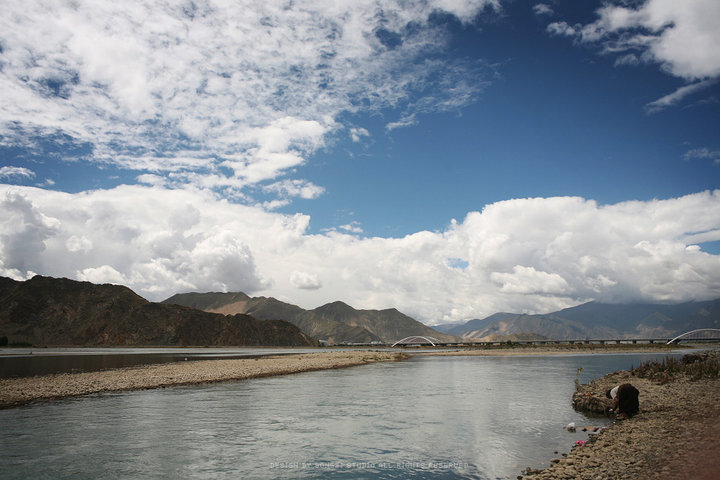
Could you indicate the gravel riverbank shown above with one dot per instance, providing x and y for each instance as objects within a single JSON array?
[
  {"x": 20, "y": 391},
  {"x": 675, "y": 435}
]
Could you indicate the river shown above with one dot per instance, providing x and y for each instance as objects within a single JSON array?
[
  {"x": 26, "y": 362},
  {"x": 427, "y": 417}
]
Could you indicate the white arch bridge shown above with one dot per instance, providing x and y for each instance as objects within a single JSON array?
[
  {"x": 417, "y": 340},
  {"x": 703, "y": 334}
]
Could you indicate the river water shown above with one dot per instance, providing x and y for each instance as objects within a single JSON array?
[
  {"x": 26, "y": 362},
  {"x": 427, "y": 417}
]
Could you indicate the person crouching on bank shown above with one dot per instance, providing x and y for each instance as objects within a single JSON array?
[{"x": 626, "y": 400}]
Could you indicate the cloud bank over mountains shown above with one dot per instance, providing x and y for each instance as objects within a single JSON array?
[
  {"x": 209, "y": 104},
  {"x": 533, "y": 255}
]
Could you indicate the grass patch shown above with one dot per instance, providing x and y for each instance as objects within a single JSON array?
[{"x": 695, "y": 366}]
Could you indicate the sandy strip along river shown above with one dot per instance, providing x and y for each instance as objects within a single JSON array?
[{"x": 19, "y": 391}]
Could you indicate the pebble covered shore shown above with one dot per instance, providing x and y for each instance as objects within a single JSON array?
[
  {"x": 20, "y": 391},
  {"x": 676, "y": 435}
]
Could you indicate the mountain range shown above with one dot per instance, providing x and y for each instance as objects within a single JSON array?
[
  {"x": 58, "y": 311},
  {"x": 52, "y": 311},
  {"x": 597, "y": 320},
  {"x": 333, "y": 323}
]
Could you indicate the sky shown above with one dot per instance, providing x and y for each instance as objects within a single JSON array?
[{"x": 449, "y": 158}]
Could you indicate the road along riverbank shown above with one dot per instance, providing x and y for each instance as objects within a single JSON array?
[
  {"x": 674, "y": 436},
  {"x": 21, "y": 391}
]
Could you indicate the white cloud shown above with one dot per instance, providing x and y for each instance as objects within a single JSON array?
[
  {"x": 219, "y": 95},
  {"x": 527, "y": 280},
  {"x": 406, "y": 121},
  {"x": 522, "y": 255},
  {"x": 101, "y": 274},
  {"x": 352, "y": 227},
  {"x": 703, "y": 153},
  {"x": 543, "y": 9},
  {"x": 677, "y": 96},
  {"x": 630, "y": 59},
  {"x": 681, "y": 37},
  {"x": 78, "y": 244},
  {"x": 305, "y": 281},
  {"x": 561, "y": 28},
  {"x": 16, "y": 172},
  {"x": 295, "y": 188},
  {"x": 358, "y": 133}
]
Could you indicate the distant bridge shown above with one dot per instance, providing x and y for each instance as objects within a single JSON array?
[
  {"x": 702, "y": 335},
  {"x": 699, "y": 334},
  {"x": 417, "y": 340}
]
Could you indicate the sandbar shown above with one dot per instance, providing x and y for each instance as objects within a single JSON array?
[{"x": 20, "y": 391}]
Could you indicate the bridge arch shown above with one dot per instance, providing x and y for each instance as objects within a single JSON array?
[
  {"x": 431, "y": 340},
  {"x": 692, "y": 332}
]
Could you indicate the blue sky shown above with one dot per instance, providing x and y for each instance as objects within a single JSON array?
[
  {"x": 515, "y": 156},
  {"x": 556, "y": 118}
]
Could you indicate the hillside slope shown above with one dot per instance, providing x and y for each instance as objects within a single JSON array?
[
  {"x": 598, "y": 320},
  {"x": 58, "y": 311},
  {"x": 334, "y": 322}
]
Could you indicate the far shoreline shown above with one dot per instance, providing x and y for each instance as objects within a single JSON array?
[{"x": 474, "y": 349}]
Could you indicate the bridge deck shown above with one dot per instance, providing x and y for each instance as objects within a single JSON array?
[{"x": 593, "y": 341}]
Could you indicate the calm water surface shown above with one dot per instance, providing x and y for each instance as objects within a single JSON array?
[
  {"x": 443, "y": 417},
  {"x": 26, "y": 362}
]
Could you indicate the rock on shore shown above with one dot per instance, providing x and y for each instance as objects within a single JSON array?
[
  {"x": 675, "y": 435},
  {"x": 19, "y": 391}
]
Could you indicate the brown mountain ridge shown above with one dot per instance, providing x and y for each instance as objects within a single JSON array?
[
  {"x": 59, "y": 311},
  {"x": 335, "y": 322}
]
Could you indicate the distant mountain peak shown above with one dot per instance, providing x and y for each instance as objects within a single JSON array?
[
  {"x": 335, "y": 322},
  {"x": 600, "y": 320}
]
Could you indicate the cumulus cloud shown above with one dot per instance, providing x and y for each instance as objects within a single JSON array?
[
  {"x": 305, "y": 281},
  {"x": 101, "y": 274},
  {"x": 681, "y": 37},
  {"x": 23, "y": 233},
  {"x": 527, "y": 280},
  {"x": 155, "y": 241},
  {"x": 218, "y": 95},
  {"x": 521, "y": 255}
]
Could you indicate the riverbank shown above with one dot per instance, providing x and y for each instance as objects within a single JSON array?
[
  {"x": 20, "y": 391},
  {"x": 673, "y": 437}
]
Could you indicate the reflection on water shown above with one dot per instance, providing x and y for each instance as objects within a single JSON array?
[{"x": 443, "y": 417}]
